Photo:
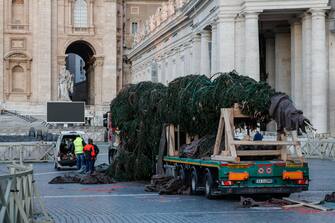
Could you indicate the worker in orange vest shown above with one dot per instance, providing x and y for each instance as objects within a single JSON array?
[{"x": 90, "y": 151}]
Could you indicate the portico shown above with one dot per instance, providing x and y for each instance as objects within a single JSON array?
[{"x": 283, "y": 43}]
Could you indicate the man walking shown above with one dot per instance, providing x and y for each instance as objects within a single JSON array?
[
  {"x": 91, "y": 151},
  {"x": 78, "y": 151}
]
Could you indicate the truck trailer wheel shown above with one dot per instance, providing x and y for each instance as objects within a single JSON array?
[
  {"x": 111, "y": 154},
  {"x": 183, "y": 175},
  {"x": 209, "y": 185},
  {"x": 194, "y": 182}
]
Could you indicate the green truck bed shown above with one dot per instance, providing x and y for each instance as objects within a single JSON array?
[{"x": 248, "y": 177}]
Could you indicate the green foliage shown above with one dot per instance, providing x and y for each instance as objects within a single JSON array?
[{"x": 193, "y": 102}]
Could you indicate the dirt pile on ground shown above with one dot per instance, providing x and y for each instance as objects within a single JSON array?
[
  {"x": 98, "y": 177},
  {"x": 167, "y": 185},
  {"x": 76, "y": 178},
  {"x": 66, "y": 179}
]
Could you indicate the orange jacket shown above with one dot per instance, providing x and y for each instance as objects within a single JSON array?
[{"x": 89, "y": 149}]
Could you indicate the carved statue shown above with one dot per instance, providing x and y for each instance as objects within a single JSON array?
[
  {"x": 171, "y": 7},
  {"x": 65, "y": 85},
  {"x": 180, "y": 3},
  {"x": 146, "y": 28},
  {"x": 152, "y": 24},
  {"x": 158, "y": 16},
  {"x": 164, "y": 12}
]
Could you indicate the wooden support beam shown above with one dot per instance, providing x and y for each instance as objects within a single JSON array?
[
  {"x": 258, "y": 152},
  {"x": 297, "y": 146},
  {"x": 229, "y": 125},
  {"x": 225, "y": 158},
  {"x": 311, "y": 205},
  {"x": 263, "y": 143},
  {"x": 219, "y": 136}
]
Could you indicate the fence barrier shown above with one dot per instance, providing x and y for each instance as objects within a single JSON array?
[{"x": 16, "y": 194}]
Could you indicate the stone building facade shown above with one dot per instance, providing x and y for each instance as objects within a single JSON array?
[
  {"x": 37, "y": 35},
  {"x": 290, "y": 44}
]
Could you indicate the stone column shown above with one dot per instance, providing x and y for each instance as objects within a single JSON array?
[
  {"x": 181, "y": 64},
  {"x": 61, "y": 62},
  {"x": 214, "y": 48},
  {"x": 187, "y": 59},
  {"x": 148, "y": 74},
  {"x": 109, "y": 73},
  {"x": 296, "y": 63},
  {"x": 205, "y": 60},
  {"x": 306, "y": 64},
  {"x": 175, "y": 72},
  {"x": 98, "y": 80},
  {"x": 270, "y": 61},
  {"x": 54, "y": 53},
  {"x": 91, "y": 14},
  {"x": 41, "y": 68},
  {"x": 165, "y": 71},
  {"x": 226, "y": 43},
  {"x": 159, "y": 69},
  {"x": 196, "y": 54},
  {"x": 169, "y": 75},
  {"x": 1, "y": 53},
  {"x": 239, "y": 45},
  {"x": 70, "y": 13},
  {"x": 252, "y": 45},
  {"x": 319, "y": 71},
  {"x": 283, "y": 62}
]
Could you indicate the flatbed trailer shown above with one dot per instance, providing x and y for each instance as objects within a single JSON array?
[{"x": 271, "y": 171}]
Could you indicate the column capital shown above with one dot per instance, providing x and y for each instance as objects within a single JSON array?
[
  {"x": 319, "y": 12},
  {"x": 61, "y": 60},
  {"x": 205, "y": 33},
  {"x": 214, "y": 25},
  {"x": 99, "y": 60},
  {"x": 306, "y": 15},
  {"x": 251, "y": 14},
  {"x": 226, "y": 17},
  {"x": 196, "y": 37},
  {"x": 295, "y": 22}
]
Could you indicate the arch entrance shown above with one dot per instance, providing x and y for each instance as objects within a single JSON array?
[{"x": 79, "y": 61}]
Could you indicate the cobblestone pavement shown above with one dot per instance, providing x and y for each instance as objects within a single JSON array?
[{"x": 127, "y": 202}]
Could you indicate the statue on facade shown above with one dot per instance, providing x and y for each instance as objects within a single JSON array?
[
  {"x": 65, "y": 85},
  {"x": 158, "y": 16},
  {"x": 164, "y": 12},
  {"x": 152, "y": 24},
  {"x": 146, "y": 28},
  {"x": 171, "y": 7},
  {"x": 180, "y": 3}
]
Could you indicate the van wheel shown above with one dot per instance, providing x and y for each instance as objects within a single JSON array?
[
  {"x": 56, "y": 166},
  {"x": 194, "y": 182},
  {"x": 209, "y": 185}
]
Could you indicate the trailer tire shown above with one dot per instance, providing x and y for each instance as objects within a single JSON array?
[
  {"x": 194, "y": 182},
  {"x": 183, "y": 175},
  {"x": 209, "y": 185}
]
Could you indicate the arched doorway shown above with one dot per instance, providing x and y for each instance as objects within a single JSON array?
[{"x": 79, "y": 62}]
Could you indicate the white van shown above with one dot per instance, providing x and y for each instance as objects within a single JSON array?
[{"x": 63, "y": 156}]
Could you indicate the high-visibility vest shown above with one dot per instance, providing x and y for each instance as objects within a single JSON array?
[
  {"x": 78, "y": 145},
  {"x": 89, "y": 148}
]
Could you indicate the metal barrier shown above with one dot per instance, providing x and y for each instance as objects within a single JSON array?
[
  {"x": 16, "y": 194},
  {"x": 26, "y": 151},
  {"x": 320, "y": 148}
]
